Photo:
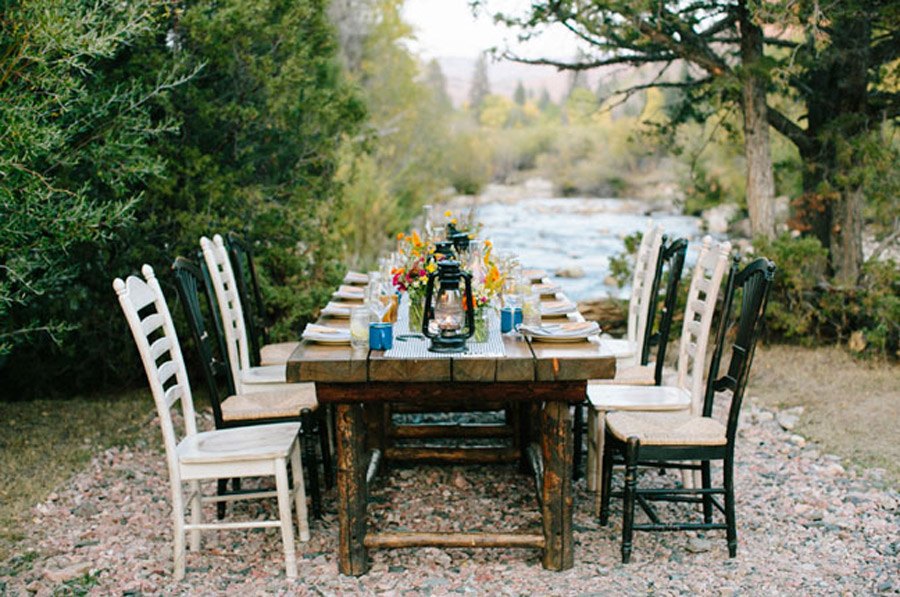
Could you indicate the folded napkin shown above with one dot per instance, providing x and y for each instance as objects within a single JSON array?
[
  {"x": 558, "y": 307},
  {"x": 335, "y": 309},
  {"x": 535, "y": 275},
  {"x": 545, "y": 289},
  {"x": 572, "y": 329},
  {"x": 353, "y": 293},
  {"x": 317, "y": 332},
  {"x": 356, "y": 278}
]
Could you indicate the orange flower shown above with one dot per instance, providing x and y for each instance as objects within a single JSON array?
[{"x": 400, "y": 236}]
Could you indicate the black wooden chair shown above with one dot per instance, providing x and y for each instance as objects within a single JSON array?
[
  {"x": 669, "y": 265},
  {"x": 262, "y": 352},
  {"x": 682, "y": 441},
  {"x": 252, "y": 409}
]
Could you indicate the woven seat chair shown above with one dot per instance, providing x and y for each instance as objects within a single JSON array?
[
  {"x": 196, "y": 456},
  {"x": 294, "y": 402},
  {"x": 692, "y": 441},
  {"x": 262, "y": 352},
  {"x": 686, "y": 390}
]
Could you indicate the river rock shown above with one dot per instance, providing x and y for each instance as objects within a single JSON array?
[
  {"x": 716, "y": 219},
  {"x": 573, "y": 271},
  {"x": 61, "y": 575}
]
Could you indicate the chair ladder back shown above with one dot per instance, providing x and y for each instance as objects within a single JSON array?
[
  {"x": 672, "y": 256},
  {"x": 251, "y": 296},
  {"x": 190, "y": 284},
  {"x": 754, "y": 282},
  {"x": 644, "y": 271},
  {"x": 698, "y": 316},
  {"x": 222, "y": 276},
  {"x": 157, "y": 343}
]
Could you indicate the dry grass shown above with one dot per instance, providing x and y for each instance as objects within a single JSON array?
[
  {"x": 852, "y": 407},
  {"x": 43, "y": 442}
]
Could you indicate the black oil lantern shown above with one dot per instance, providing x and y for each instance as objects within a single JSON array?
[
  {"x": 460, "y": 239},
  {"x": 448, "y": 309},
  {"x": 443, "y": 250}
]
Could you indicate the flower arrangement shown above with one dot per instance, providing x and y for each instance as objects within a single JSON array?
[{"x": 413, "y": 266}]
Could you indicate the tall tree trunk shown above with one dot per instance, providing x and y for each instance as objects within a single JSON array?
[
  {"x": 838, "y": 119},
  {"x": 760, "y": 179}
]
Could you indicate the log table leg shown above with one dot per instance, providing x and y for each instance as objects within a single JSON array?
[
  {"x": 352, "y": 489},
  {"x": 556, "y": 506}
]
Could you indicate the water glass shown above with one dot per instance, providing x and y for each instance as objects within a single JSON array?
[
  {"x": 531, "y": 310},
  {"x": 359, "y": 327}
]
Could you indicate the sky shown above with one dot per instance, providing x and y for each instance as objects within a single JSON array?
[{"x": 447, "y": 28}]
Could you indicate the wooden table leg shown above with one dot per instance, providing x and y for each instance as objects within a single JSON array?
[
  {"x": 556, "y": 509},
  {"x": 352, "y": 490}
]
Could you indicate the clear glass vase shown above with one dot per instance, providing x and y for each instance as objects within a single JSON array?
[
  {"x": 416, "y": 313},
  {"x": 482, "y": 325}
]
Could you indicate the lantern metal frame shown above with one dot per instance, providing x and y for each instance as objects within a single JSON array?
[{"x": 449, "y": 274}]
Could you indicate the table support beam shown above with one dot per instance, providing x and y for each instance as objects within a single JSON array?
[
  {"x": 352, "y": 489},
  {"x": 556, "y": 502}
]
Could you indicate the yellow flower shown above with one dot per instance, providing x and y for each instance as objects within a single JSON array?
[
  {"x": 431, "y": 267},
  {"x": 488, "y": 244},
  {"x": 448, "y": 213},
  {"x": 453, "y": 221}
]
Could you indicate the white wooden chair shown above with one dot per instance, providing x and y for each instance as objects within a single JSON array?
[
  {"x": 196, "y": 456},
  {"x": 247, "y": 379},
  {"x": 686, "y": 394},
  {"x": 628, "y": 350}
]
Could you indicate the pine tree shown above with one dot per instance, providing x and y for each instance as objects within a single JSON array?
[
  {"x": 519, "y": 95},
  {"x": 481, "y": 85}
]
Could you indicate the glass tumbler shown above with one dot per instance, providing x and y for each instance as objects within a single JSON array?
[
  {"x": 359, "y": 327},
  {"x": 531, "y": 310}
]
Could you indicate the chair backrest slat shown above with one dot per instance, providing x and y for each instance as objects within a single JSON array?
[
  {"x": 151, "y": 323},
  {"x": 222, "y": 276},
  {"x": 706, "y": 279},
  {"x": 137, "y": 295}
]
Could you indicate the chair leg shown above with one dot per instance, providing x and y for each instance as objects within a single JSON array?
[
  {"x": 730, "y": 526},
  {"x": 299, "y": 495},
  {"x": 284, "y": 514},
  {"x": 178, "y": 552},
  {"x": 324, "y": 417},
  {"x": 577, "y": 440},
  {"x": 706, "y": 483},
  {"x": 196, "y": 513},
  {"x": 221, "y": 488},
  {"x": 309, "y": 454},
  {"x": 605, "y": 483},
  {"x": 596, "y": 441},
  {"x": 631, "y": 457}
]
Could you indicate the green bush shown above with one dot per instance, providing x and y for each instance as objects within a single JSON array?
[{"x": 249, "y": 143}]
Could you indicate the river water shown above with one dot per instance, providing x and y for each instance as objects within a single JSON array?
[{"x": 572, "y": 233}]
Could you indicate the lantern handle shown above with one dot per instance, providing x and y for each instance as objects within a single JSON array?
[
  {"x": 426, "y": 315},
  {"x": 470, "y": 312}
]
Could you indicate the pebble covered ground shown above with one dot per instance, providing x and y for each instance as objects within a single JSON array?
[{"x": 806, "y": 525}]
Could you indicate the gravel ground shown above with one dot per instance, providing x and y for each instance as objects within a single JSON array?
[{"x": 805, "y": 526}]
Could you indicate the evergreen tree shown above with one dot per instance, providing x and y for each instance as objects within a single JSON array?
[
  {"x": 519, "y": 95},
  {"x": 481, "y": 85},
  {"x": 437, "y": 83}
]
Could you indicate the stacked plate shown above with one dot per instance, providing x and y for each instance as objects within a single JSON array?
[
  {"x": 356, "y": 278},
  {"x": 556, "y": 308},
  {"x": 535, "y": 275},
  {"x": 336, "y": 309},
  {"x": 545, "y": 289},
  {"x": 573, "y": 331},
  {"x": 350, "y": 293},
  {"x": 326, "y": 335}
]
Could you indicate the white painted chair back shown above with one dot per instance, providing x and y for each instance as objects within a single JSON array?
[
  {"x": 706, "y": 281},
  {"x": 154, "y": 333},
  {"x": 641, "y": 285},
  {"x": 225, "y": 284}
]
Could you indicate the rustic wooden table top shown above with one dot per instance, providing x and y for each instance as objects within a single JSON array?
[{"x": 525, "y": 361}]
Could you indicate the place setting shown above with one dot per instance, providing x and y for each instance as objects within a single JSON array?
[
  {"x": 323, "y": 334},
  {"x": 561, "y": 333}
]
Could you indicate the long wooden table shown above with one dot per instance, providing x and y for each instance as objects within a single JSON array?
[{"x": 544, "y": 378}]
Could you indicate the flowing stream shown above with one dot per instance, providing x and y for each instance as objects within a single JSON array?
[{"x": 575, "y": 234}]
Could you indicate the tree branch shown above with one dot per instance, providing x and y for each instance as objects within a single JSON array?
[
  {"x": 788, "y": 128},
  {"x": 563, "y": 65}
]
